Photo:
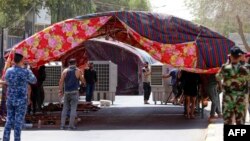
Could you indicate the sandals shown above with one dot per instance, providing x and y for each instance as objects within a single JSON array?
[
  {"x": 220, "y": 116},
  {"x": 192, "y": 117},
  {"x": 187, "y": 116}
]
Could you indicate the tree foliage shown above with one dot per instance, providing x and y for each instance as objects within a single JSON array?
[
  {"x": 13, "y": 12},
  {"x": 117, "y": 5},
  {"x": 220, "y": 15},
  {"x": 224, "y": 16},
  {"x": 64, "y": 9}
]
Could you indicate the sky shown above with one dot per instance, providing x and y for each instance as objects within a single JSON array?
[{"x": 172, "y": 7}]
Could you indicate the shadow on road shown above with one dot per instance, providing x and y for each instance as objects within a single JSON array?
[{"x": 139, "y": 118}]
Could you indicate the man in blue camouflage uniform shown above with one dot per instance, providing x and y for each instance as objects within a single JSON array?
[
  {"x": 17, "y": 79},
  {"x": 235, "y": 77}
]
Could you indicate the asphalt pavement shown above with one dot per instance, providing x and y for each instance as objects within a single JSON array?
[{"x": 128, "y": 119}]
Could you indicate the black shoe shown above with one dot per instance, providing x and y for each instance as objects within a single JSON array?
[
  {"x": 62, "y": 128},
  {"x": 72, "y": 128}
]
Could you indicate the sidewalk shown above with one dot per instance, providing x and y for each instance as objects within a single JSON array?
[{"x": 215, "y": 129}]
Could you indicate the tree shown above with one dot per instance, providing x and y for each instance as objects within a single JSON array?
[
  {"x": 117, "y": 5},
  {"x": 64, "y": 9},
  {"x": 13, "y": 12},
  {"x": 224, "y": 16},
  {"x": 61, "y": 9},
  {"x": 141, "y": 5}
]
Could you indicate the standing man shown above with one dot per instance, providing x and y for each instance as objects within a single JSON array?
[
  {"x": 235, "y": 77},
  {"x": 191, "y": 87},
  {"x": 211, "y": 89},
  {"x": 90, "y": 78},
  {"x": 175, "y": 83},
  {"x": 146, "y": 72},
  {"x": 17, "y": 79},
  {"x": 37, "y": 91},
  {"x": 70, "y": 81}
]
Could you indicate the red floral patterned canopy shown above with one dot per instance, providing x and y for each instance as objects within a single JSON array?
[{"x": 57, "y": 40}]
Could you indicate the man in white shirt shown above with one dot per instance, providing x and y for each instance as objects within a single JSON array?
[{"x": 146, "y": 82}]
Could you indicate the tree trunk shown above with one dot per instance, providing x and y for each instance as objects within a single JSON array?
[{"x": 241, "y": 33}]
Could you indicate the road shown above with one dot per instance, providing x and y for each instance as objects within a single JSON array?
[{"x": 128, "y": 119}]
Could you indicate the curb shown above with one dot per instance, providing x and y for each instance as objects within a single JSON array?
[{"x": 215, "y": 131}]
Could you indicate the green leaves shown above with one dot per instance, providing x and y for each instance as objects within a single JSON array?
[
  {"x": 117, "y": 5},
  {"x": 13, "y": 12},
  {"x": 64, "y": 9},
  {"x": 220, "y": 15}
]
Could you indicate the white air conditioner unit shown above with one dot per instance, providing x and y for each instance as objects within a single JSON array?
[
  {"x": 53, "y": 72},
  {"x": 157, "y": 70},
  {"x": 158, "y": 84},
  {"x": 107, "y": 75}
]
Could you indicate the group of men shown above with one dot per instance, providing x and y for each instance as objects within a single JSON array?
[
  {"x": 146, "y": 72},
  {"x": 182, "y": 82},
  {"x": 19, "y": 77},
  {"x": 233, "y": 76},
  {"x": 232, "y": 79}
]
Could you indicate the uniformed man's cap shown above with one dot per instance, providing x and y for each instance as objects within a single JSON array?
[{"x": 236, "y": 51}]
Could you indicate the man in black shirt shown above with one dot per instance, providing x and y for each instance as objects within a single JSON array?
[
  {"x": 191, "y": 84},
  {"x": 90, "y": 78}
]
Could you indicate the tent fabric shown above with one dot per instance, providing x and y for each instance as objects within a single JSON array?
[
  {"x": 213, "y": 48},
  {"x": 128, "y": 59},
  {"x": 163, "y": 36},
  {"x": 182, "y": 55},
  {"x": 56, "y": 40}
]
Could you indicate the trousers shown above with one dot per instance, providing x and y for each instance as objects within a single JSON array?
[
  {"x": 214, "y": 97},
  {"x": 234, "y": 104},
  {"x": 89, "y": 92},
  {"x": 15, "y": 117},
  {"x": 147, "y": 90},
  {"x": 70, "y": 104}
]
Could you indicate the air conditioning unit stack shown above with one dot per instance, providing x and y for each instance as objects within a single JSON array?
[
  {"x": 107, "y": 76},
  {"x": 53, "y": 72},
  {"x": 158, "y": 84}
]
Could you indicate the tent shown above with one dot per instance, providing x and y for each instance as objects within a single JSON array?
[
  {"x": 128, "y": 59},
  {"x": 166, "y": 38}
]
